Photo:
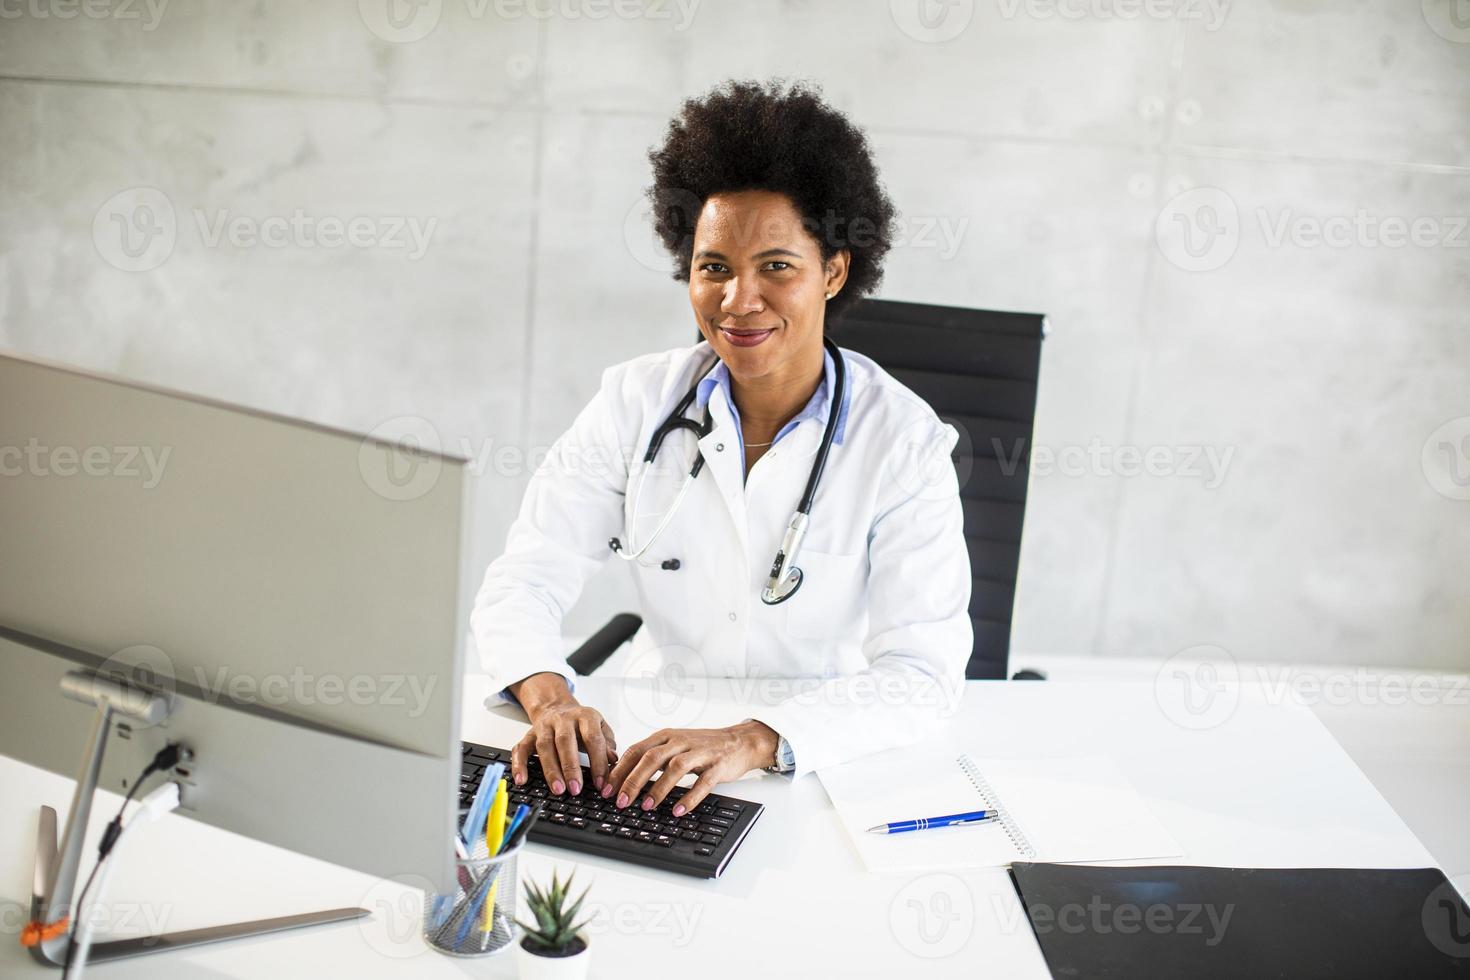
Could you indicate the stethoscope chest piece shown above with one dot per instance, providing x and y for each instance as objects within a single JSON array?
[{"x": 775, "y": 595}]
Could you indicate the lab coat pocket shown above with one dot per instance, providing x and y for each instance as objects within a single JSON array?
[{"x": 832, "y": 602}]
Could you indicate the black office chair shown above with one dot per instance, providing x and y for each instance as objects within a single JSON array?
[{"x": 978, "y": 370}]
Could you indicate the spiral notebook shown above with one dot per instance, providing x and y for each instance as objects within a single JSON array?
[{"x": 1072, "y": 810}]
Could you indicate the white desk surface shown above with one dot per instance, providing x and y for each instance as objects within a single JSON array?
[{"x": 1267, "y": 785}]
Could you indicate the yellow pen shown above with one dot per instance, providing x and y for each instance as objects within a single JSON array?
[{"x": 494, "y": 831}]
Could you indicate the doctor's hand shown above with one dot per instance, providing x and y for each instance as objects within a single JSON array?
[
  {"x": 717, "y": 754},
  {"x": 559, "y": 725}
]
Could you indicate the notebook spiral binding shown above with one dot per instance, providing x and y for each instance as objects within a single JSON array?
[{"x": 1017, "y": 836}]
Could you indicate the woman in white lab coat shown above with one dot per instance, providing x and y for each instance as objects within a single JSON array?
[{"x": 771, "y": 206}]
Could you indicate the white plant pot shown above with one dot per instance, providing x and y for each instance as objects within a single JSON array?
[{"x": 530, "y": 966}]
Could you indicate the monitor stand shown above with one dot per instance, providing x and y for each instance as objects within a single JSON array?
[{"x": 56, "y": 867}]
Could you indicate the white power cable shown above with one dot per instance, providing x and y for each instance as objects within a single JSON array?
[{"x": 163, "y": 800}]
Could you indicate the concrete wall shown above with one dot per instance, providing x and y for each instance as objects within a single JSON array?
[{"x": 1247, "y": 223}]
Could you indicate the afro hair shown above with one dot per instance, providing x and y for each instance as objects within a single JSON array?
[{"x": 744, "y": 135}]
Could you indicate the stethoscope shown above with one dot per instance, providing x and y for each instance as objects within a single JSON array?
[{"x": 785, "y": 577}]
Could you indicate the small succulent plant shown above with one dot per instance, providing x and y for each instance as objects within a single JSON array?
[{"x": 554, "y": 933}]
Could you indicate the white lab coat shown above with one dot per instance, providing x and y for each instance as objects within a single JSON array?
[{"x": 868, "y": 654}]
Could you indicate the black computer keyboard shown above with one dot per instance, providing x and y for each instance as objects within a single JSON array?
[{"x": 699, "y": 843}]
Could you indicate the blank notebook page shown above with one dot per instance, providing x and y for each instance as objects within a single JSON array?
[{"x": 1077, "y": 809}]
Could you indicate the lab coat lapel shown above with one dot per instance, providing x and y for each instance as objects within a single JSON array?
[{"x": 722, "y": 450}]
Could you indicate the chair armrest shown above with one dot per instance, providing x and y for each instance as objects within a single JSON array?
[{"x": 600, "y": 645}]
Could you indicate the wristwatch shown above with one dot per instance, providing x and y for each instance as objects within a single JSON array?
[{"x": 785, "y": 758}]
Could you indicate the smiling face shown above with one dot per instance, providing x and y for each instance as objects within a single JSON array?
[{"x": 758, "y": 285}]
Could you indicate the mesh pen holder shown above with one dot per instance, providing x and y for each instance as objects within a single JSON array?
[{"x": 456, "y": 923}]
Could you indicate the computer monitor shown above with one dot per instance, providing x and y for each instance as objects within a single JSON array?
[{"x": 291, "y": 590}]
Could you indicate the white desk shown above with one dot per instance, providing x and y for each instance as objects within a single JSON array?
[{"x": 1267, "y": 786}]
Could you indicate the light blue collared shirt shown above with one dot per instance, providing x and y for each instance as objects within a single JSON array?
[{"x": 816, "y": 408}]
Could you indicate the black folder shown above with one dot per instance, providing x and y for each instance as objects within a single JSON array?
[{"x": 1096, "y": 923}]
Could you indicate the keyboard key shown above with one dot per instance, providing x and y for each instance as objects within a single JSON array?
[
  {"x": 726, "y": 812},
  {"x": 645, "y": 836},
  {"x": 689, "y": 835},
  {"x": 606, "y": 828},
  {"x": 704, "y": 851},
  {"x": 557, "y": 817},
  {"x": 626, "y": 832},
  {"x": 718, "y": 822},
  {"x": 577, "y": 822},
  {"x": 708, "y": 839},
  {"x": 664, "y": 840},
  {"x": 713, "y": 831}
]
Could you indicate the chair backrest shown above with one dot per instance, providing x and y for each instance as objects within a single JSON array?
[{"x": 978, "y": 370}]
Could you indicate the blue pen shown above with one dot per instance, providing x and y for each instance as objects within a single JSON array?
[
  {"x": 924, "y": 823},
  {"x": 474, "y": 819}
]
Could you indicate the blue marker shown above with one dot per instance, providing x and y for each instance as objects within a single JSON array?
[{"x": 924, "y": 823}]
